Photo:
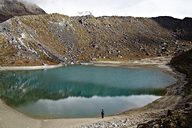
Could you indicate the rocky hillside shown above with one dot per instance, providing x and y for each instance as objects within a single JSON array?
[
  {"x": 182, "y": 28},
  {"x": 11, "y": 8},
  {"x": 54, "y": 38}
]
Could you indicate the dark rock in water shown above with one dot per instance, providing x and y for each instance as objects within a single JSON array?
[{"x": 11, "y": 8}]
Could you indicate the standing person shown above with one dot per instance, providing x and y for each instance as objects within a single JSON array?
[{"x": 102, "y": 113}]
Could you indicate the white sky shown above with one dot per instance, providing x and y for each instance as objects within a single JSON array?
[{"x": 137, "y": 8}]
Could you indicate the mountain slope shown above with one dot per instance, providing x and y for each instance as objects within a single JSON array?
[
  {"x": 182, "y": 28},
  {"x": 55, "y": 38},
  {"x": 11, "y": 8}
]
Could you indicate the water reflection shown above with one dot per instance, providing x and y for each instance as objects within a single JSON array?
[
  {"x": 28, "y": 89},
  {"x": 73, "y": 107}
]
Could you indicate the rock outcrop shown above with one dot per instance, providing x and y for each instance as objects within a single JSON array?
[{"x": 11, "y": 8}]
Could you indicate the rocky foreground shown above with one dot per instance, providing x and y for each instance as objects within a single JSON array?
[{"x": 131, "y": 120}]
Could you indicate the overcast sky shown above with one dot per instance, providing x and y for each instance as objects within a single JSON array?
[{"x": 137, "y": 8}]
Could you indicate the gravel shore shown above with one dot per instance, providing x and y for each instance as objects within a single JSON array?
[
  {"x": 30, "y": 67},
  {"x": 10, "y": 118}
]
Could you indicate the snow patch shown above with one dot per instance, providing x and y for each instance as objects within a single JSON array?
[{"x": 84, "y": 13}]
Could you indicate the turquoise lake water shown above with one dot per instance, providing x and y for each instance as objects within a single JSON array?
[{"x": 81, "y": 91}]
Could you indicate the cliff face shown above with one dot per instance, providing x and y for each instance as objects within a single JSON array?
[
  {"x": 54, "y": 38},
  {"x": 11, "y": 8}
]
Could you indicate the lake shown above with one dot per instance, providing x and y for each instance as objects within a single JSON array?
[{"x": 82, "y": 91}]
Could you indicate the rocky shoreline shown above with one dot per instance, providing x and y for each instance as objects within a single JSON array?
[
  {"x": 181, "y": 115},
  {"x": 125, "y": 121},
  {"x": 143, "y": 116},
  {"x": 151, "y": 115},
  {"x": 132, "y": 118}
]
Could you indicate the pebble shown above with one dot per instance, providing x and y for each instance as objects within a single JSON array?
[
  {"x": 127, "y": 121},
  {"x": 118, "y": 123}
]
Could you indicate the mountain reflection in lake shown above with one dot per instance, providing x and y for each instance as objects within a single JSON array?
[
  {"x": 81, "y": 91},
  {"x": 75, "y": 107}
]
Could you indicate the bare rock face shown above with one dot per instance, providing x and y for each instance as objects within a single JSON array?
[{"x": 11, "y": 8}]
